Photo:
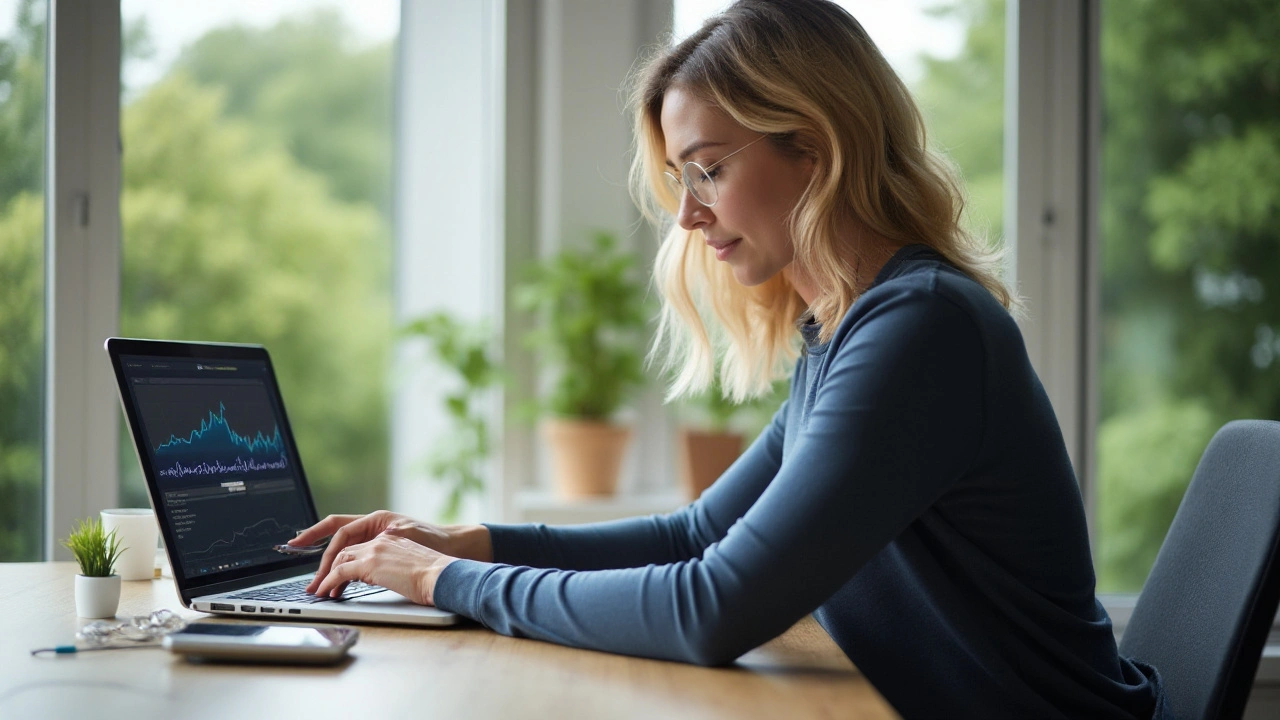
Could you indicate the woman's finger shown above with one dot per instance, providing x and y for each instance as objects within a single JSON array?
[
  {"x": 345, "y": 535},
  {"x": 322, "y": 529},
  {"x": 344, "y": 570}
]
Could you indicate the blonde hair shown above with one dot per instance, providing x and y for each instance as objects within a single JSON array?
[{"x": 804, "y": 73}]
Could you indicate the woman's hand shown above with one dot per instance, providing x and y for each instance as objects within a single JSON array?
[
  {"x": 457, "y": 541},
  {"x": 396, "y": 563}
]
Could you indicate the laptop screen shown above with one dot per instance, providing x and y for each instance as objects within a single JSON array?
[{"x": 228, "y": 483}]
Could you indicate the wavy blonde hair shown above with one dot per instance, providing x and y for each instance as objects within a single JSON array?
[{"x": 804, "y": 73}]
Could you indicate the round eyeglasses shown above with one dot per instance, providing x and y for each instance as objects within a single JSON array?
[{"x": 699, "y": 181}]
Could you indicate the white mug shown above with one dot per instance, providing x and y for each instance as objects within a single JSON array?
[{"x": 138, "y": 532}]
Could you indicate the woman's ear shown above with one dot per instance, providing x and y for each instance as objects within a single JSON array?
[{"x": 810, "y": 163}]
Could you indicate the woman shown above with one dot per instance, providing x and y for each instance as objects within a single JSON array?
[{"x": 914, "y": 491}]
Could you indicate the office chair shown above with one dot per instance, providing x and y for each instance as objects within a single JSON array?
[{"x": 1203, "y": 617}]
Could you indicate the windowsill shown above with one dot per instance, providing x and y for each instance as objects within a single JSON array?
[{"x": 1120, "y": 608}]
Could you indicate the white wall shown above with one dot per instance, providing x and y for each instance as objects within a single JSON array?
[{"x": 448, "y": 215}]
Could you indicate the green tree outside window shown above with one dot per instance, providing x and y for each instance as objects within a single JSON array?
[{"x": 254, "y": 208}]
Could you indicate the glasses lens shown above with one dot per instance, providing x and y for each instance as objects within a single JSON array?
[{"x": 700, "y": 184}]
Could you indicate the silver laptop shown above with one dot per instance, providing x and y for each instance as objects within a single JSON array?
[{"x": 227, "y": 485}]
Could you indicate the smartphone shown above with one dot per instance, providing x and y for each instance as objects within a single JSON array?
[{"x": 263, "y": 643}]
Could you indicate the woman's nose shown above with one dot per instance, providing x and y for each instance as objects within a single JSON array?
[{"x": 692, "y": 214}]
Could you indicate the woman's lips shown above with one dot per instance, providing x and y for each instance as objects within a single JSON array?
[{"x": 724, "y": 248}]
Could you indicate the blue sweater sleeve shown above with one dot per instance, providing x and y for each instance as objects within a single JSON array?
[
  {"x": 896, "y": 420},
  {"x": 654, "y": 540}
]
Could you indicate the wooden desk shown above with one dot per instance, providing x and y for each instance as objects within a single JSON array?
[{"x": 397, "y": 672}]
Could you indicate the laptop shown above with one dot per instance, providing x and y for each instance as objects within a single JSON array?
[{"x": 227, "y": 485}]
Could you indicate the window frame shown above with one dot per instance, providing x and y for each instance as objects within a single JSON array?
[
  {"x": 1049, "y": 159},
  {"x": 82, "y": 264},
  {"x": 1053, "y": 147}
]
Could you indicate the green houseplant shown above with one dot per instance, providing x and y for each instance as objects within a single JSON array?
[
  {"x": 97, "y": 585},
  {"x": 589, "y": 331},
  {"x": 459, "y": 456}
]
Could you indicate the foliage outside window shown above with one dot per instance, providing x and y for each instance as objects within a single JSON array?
[
  {"x": 1190, "y": 217},
  {"x": 255, "y": 208},
  {"x": 962, "y": 98},
  {"x": 255, "y": 205},
  {"x": 22, "y": 346}
]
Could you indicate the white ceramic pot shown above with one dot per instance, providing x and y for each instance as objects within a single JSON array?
[{"x": 97, "y": 597}]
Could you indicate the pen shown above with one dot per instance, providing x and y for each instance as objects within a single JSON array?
[{"x": 68, "y": 649}]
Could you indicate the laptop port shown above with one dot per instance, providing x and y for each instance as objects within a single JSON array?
[
  {"x": 221, "y": 606},
  {"x": 268, "y": 610},
  {"x": 247, "y": 608},
  {"x": 295, "y": 611}
]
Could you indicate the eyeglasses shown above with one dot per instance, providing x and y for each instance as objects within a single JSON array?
[{"x": 699, "y": 181}]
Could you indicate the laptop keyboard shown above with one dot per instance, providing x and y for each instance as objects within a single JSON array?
[{"x": 295, "y": 592}]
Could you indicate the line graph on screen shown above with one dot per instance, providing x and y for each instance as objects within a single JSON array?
[{"x": 216, "y": 448}]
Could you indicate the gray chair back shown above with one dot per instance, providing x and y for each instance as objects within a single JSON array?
[{"x": 1203, "y": 617}]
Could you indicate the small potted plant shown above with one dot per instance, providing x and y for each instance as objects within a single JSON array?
[
  {"x": 458, "y": 456},
  {"x": 714, "y": 430},
  {"x": 590, "y": 322},
  {"x": 97, "y": 585}
]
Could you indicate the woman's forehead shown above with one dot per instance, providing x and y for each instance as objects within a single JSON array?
[
  {"x": 682, "y": 108},
  {"x": 688, "y": 119}
]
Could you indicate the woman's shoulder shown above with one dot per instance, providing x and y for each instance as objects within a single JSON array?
[
  {"x": 920, "y": 267},
  {"x": 920, "y": 273},
  {"x": 918, "y": 285}
]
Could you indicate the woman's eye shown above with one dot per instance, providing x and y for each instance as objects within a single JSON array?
[{"x": 713, "y": 173}]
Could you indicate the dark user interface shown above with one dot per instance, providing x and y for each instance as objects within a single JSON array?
[{"x": 215, "y": 442}]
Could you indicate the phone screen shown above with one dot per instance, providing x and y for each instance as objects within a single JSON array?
[{"x": 274, "y": 635}]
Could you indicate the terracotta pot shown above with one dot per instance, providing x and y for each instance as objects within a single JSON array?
[
  {"x": 586, "y": 456},
  {"x": 704, "y": 456}
]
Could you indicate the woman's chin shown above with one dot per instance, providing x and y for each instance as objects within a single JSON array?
[{"x": 749, "y": 276}]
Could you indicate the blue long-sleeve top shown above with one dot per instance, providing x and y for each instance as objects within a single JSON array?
[{"x": 914, "y": 493}]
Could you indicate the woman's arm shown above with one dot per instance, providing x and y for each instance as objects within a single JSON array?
[
  {"x": 897, "y": 420},
  {"x": 654, "y": 540},
  {"x": 368, "y": 547}
]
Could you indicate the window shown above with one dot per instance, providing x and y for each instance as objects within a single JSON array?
[
  {"x": 1190, "y": 256},
  {"x": 23, "y": 38},
  {"x": 255, "y": 207}
]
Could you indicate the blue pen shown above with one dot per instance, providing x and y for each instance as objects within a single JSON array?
[
  {"x": 60, "y": 650},
  {"x": 68, "y": 649}
]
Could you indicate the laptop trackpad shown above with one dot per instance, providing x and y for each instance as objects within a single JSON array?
[{"x": 393, "y": 602}]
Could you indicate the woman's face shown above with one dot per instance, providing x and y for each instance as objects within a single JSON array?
[{"x": 757, "y": 187}]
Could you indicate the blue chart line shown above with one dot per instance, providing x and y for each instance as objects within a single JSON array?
[{"x": 216, "y": 449}]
